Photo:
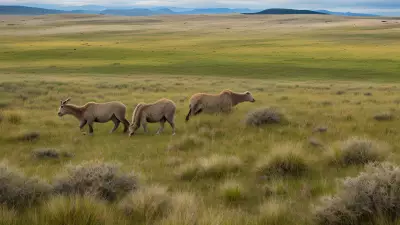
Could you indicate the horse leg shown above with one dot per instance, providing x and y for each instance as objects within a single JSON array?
[
  {"x": 198, "y": 112},
  {"x": 90, "y": 124},
  {"x": 116, "y": 123},
  {"x": 144, "y": 125},
  {"x": 188, "y": 115},
  {"x": 82, "y": 124},
  {"x": 126, "y": 124},
  {"x": 161, "y": 129},
  {"x": 171, "y": 122}
]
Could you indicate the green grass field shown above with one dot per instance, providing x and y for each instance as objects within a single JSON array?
[{"x": 318, "y": 71}]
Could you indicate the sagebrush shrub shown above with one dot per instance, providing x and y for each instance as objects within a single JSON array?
[
  {"x": 372, "y": 195},
  {"x": 18, "y": 191},
  {"x": 46, "y": 153},
  {"x": 264, "y": 116},
  {"x": 99, "y": 179},
  {"x": 384, "y": 116}
]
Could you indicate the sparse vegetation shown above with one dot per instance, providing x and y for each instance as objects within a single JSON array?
[
  {"x": 188, "y": 142},
  {"x": 93, "y": 178},
  {"x": 290, "y": 63},
  {"x": 358, "y": 151},
  {"x": 372, "y": 196}
]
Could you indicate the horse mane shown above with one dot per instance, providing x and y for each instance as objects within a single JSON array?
[
  {"x": 226, "y": 91},
  {"x": 137, "y": 114}
]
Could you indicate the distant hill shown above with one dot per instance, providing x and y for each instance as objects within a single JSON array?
[
  {"x": 286, "y": 11},
  {"x": 216, "y": 11},
  {"x": 345, "y": 13},
  {"x": 127, "y": 12},
  {"x": 24, "y": 10},
  {"x": 94, "y": 9}
]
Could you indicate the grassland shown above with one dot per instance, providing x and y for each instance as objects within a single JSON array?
[{"x": 319, "y": 71}]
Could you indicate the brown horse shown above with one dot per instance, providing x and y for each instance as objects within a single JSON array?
[{"x": 96, "y": 112}]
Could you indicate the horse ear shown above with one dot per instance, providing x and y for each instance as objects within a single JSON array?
[{"x": 66, "y": 101}]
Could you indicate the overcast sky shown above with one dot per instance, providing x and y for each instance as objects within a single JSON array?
[{"x": 342, "y": 5}]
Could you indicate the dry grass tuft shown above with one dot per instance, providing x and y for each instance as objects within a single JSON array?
[
  {"x": 213, "y": 167},
  {"x": 185, "y": 210},
  {"x": 211, "y": 133},
  {"x": 7, "y": 216},
  {"x": 147, "y": 204},
  {"x": 187, "y": 142},
  {"x": 285, "y": 161},
  {"x": 372, "y": 195},
  {"x": 94, "y": 178},
  {"x": 14, "y": 118},
  {"x": 275, "y": 211},
  {"x": 232, "y": 191},
  {"x": 264, "y": 116},
  {"x": 75, "y": 210},
  {"x": 18, "y": 191},
  {"x": 358, "y": 150}
]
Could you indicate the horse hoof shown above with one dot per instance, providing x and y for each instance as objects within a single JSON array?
[{"x": 173, "y": 134}]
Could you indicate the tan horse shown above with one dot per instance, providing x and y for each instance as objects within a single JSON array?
[
  {"x": 215, "y": 103},
  {"x": 96, "y": 112},
  {"x": 160, "y": 111}
]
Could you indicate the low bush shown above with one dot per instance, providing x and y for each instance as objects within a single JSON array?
[
  {"x": 18, "y": 191},
  {"x": 99, "y": 179},
  {"x": 264, "y": 116},
  {"x": 372, "y": 196},
  {"x": 358, "y": 151}
]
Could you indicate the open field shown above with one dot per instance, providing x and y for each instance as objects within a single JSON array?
[
  {"x": 334, "y": 79},
  {"x": 317, "y": 47}
]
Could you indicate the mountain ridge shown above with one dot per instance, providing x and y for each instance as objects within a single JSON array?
[{"x": 97, "y": 9}]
